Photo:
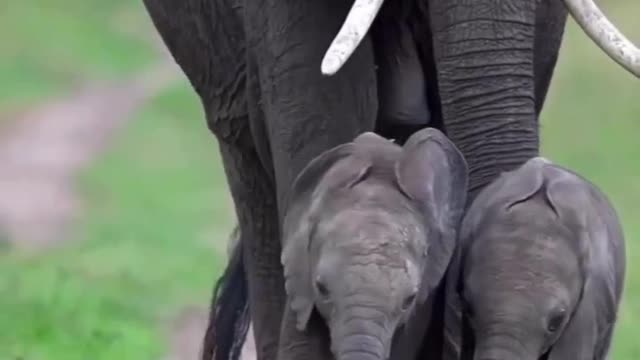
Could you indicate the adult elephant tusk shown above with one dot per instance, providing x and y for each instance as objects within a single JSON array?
[
  {"x": 355, "y": 27},
  {"x": 605, "y": 34}
]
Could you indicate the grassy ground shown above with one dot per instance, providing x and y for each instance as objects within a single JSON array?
[
  {"x": 46, "y": 45},
  {"x": 158, "y": 207},
  {"x": 159, "y": 216}
]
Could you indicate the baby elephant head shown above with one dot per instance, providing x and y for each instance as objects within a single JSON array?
[
  {"x": 368, "y": 234},
  {"x": 542, "y": 267}
]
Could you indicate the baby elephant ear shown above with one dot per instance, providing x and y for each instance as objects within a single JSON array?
[
  {"x": 578, "y": 203},
  {"x": 586, "y": 211},
  {"x": 433, "y": 173},
  {"x": 335, "y": 168},
  {"x": 521, "y": 184},
  {"x": 511, "y": 188}
]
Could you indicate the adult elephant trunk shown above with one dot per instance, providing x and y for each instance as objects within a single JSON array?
[
  {"x": 484, "y": 54},
  {"x": 362, "y": 336}
]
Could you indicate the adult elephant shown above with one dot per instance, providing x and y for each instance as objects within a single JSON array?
[{"x": 478, "y": 69}]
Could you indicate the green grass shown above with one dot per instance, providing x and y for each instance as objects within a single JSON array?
[
  {"x": 591, "y": 123},
  {"x": 150, "y": 244},
  {"x": 45, "y": 46}
]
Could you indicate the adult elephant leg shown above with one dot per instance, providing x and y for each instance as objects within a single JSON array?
[
  {"x": 253, "y": 194},
  {"x": 484, "y": 56},
  {"x": 484, "y": 52},
  {"x": 305, "y": 112}
]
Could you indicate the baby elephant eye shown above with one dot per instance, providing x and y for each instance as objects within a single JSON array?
[
  {"x": 322, "y": 289},
  {"x": 408, "y": 301},
  {"x": 556, "y": 321}
]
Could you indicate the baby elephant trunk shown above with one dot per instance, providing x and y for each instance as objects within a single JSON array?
[
  {"x": 502, "y": 348},
  {"x": 361, "y": 337}
]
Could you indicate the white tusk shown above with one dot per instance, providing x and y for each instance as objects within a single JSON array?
[
  {"x": 605, "y": 35},
  {"x": 355, "y": 27}
]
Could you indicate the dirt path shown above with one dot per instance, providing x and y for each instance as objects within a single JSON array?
[
  {"x": 188, "y": 330},
  {"x": 42, "y": 150}
]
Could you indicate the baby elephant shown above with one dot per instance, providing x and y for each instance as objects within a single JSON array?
[
  {"x": 540, "y": 269},
  {"x": 369, "y": 233}
]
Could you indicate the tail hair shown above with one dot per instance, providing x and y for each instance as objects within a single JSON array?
[{"x": 229, "y": 312}]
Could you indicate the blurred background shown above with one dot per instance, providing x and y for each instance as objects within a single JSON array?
[{"x": 114, "y": 210}]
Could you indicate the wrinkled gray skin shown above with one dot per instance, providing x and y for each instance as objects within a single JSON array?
[
  {"x": 256, "y": 69},
  {"x": 368, "y": 236},
  {"x": 540, "y": 270}
]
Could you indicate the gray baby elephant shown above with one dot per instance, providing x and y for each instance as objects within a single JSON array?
[
  {"x": 540, "y": 269},
  {"x": 369, "y": 233}
]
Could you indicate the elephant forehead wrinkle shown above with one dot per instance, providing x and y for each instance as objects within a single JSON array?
[
  {"x": 517, "y": 277},
  {"x": 372, "y": 227},
  {"x": 382, "y": 192},
  {"x": 386, "y": 281},
  {"x": 383, "y": 255},
  {"x": 378, "y": 260},
  {"x": 519, "y": 224},
  {"x": 534, "y": 241}
]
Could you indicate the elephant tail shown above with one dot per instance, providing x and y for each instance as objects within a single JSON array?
[{"x": 229, "y": 313}]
